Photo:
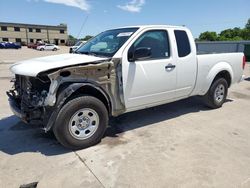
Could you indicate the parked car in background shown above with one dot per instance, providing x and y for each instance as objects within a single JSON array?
[
  {"x": 10, "y": 45},
  {"x": 77, "y": 45},
  {"x": 23, "y": 43},
  {"x": 2, "y": 45},
  {"x": 31, "y": 45},
  {"x": 52, "y": 47},
  {"x": 34, "y": 45}
]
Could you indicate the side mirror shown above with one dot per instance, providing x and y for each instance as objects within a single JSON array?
[{"x": 140, "y": 54}]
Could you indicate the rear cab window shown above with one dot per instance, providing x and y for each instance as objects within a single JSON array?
[{"x": 182, "y": 42}]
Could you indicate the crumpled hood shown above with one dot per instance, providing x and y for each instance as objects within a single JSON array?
[{"x": 34, "y": 66}]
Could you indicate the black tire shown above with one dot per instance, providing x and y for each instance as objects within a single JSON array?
[
  {"x": 55, "y": 49},
  {"x": 62, "y": 124},
  {"x": 42, "y": 49},
  {"x": 210, "y": 98}
]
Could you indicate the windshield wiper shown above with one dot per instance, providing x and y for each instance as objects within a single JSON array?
[
  {"x": 90, "y": 53},
  {"x": 87, "y": 53}
]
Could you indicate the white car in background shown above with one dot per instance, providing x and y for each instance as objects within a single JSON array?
[
  {"x": 52, "y": 47},
  {"x": 77, "y": 45}
]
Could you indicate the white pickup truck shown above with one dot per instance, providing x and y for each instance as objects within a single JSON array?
[{"x": 116, "y": 72}]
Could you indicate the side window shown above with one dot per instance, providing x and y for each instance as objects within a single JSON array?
[
  {"x": 182, "y": 42},
  {"x": 157, "y": 40}
]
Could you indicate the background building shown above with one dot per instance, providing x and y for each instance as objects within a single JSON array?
[{"x": 31, "y": 33}]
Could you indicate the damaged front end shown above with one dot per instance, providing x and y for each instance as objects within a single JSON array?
[
  {"x": 39, "y": 99},
  {"x": 27, "y": 97}
]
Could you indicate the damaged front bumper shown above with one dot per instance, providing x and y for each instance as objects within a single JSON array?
[
  {"x": 24, "y": 99},
  {"x": 15, "y": 108},
  {"x": 27, "y": 115}
]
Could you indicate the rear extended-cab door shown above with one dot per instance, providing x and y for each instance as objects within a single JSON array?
[{"x": 186, "y": 62}]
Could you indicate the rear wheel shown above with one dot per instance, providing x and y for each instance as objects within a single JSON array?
[
  {"x": 54, "y": 49},
  {"x": 217, "y": 93},
  {"x": 42, "y": 49},
  {"x": 81, "y": 122}
]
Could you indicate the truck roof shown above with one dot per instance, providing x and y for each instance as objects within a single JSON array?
[{"x": 154, "y": 26}]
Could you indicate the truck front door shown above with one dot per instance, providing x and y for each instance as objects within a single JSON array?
[{"x": 153, "y": 80}]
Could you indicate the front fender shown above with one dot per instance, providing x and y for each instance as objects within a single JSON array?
[{"x": 64, "y": 92}]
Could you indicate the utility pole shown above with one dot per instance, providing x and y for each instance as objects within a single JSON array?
[
  {"x": 48, "y": 34},
  {"x": 27, "y": 38}
]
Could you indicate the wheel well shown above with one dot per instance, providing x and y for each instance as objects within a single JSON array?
[
  {"x": 89, "y": 90},
  {"x": 224, "y": 74}
]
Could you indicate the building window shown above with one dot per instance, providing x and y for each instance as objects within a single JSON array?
[
  {"x": 38, "y": 30},
  {"x": 18, "y": 40},
  {"x": 5, "y": 40},
  {"x": 62, "y": 41},
  {"x": 3, "y": 28},
  {"x": 61, "y": 31},
  {"x": 16, "y": 28},
  {"x": 30, "y": 30},
  {"x": 31, "y": 40}
]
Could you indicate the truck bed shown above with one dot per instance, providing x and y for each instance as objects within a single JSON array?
[
  {"x": 209, "y": 63},
  {"x": 219, "y": 47}
]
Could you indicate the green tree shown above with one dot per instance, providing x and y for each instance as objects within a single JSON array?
[
  {"x": 234, "y": 34},
  {"x": 208, "y": 36},
  {"x": 231, "y": 34},
  {"x": 71, "y": 37},
  {"x": 237, "y": 38},
  {"x": 87, "y": 37},
  {"x": 248, "y": 24},
  {"x": 245, "y": 34},
  {"x": 222, "y": 38}
]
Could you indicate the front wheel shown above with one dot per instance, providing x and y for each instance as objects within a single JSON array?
[
  {"x": 81, "y": 122},
  {"x": 217, "y": 93}
]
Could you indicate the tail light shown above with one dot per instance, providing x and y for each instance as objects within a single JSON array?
[{"x": 244, "y": 62}]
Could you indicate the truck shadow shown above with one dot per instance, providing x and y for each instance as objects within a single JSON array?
[
  {"x": 18, "y": 137},
  {"x": 247, "y": 79},
  {"x": 137, "y": 119}
]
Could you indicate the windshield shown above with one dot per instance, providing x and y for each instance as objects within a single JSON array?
[{"x": 107, "y": 43}]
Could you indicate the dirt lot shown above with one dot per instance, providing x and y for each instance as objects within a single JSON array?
[
  {"x": 9, "y": 56},
  {"x": 12, "y": 55},
  {"x": 182, "y": 144}
]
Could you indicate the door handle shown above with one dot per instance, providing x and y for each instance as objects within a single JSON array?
[{"x": 169, "y": 67}]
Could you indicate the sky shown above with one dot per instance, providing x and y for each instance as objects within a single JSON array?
[{"x": 95, "y": 16}]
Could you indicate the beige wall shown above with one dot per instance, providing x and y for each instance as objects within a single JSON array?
[
  {"x": 35, "y": 35},
  {"x": 12, "y": 35},
  {"x": 55, "y": 34},
  {"x": 43, "y": 35}
]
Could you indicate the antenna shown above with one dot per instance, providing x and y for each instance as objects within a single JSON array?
[{"x": 83, "y": 23}]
